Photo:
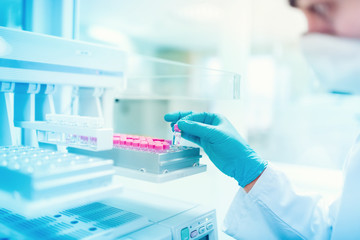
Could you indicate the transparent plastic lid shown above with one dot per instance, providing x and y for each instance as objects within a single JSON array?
[{"x": 148, "y": 77}]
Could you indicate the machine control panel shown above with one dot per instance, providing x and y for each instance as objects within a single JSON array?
[{"x": 199, "y": 230}]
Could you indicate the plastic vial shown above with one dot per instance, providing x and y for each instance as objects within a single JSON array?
[{"x": 176, "y": 136}]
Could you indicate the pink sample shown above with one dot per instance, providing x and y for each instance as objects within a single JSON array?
[
  {"x": 151, "y": 145},
  {"x": 158, "y": 146},
  {"x": 166, "y": 146},
  {"x": 93, "y": 140},
  {"x": 136, "y": 143},
  {"x": 141, "y": 142},
  {"x": 158, "y": 140},
  {"x": 116, "y": 141},
  {"x": 176, "y": 128},
  {"x": 144, "y": 144},
  {"x": 128, "y": 142}
]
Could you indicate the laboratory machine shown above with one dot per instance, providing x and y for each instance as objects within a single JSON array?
[{"x": 60, "y": 158}]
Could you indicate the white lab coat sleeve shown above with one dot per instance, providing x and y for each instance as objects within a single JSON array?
[{"x": 273, "y": 210}]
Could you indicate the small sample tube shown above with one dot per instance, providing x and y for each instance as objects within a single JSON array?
[
  {"x": 158, "y": 147},
  {"x": 93, "y": 142},
  {"x": 84, "y": 140},
  {"x": 136, "y": 143},
  {"x": 176, "y": 136},
  {"x": 166, "y": 146},
  {"x": 144, "y": 145}
]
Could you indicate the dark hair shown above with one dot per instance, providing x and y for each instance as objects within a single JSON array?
[{"x": 293, "y": 3}]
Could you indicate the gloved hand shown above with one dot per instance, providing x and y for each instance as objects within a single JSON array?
[{"x": 221, "y": 142}]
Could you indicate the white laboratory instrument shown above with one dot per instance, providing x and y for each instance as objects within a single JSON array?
[
  {"x": 53, "y": 185},
  {"x": 130, "y": 215}
]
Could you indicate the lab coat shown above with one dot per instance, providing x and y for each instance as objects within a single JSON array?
[{"x": 274, "y": 210}]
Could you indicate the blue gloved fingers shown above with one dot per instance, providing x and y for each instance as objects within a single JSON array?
[
  {"x": 204, "y": 117},
  {"x": 176, "y": 116},
  {"x": 197, "y": 129},
  {"x": 191, "y": 138}
]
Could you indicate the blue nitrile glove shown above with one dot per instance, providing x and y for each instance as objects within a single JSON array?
[{"x": 221, "y": 142}]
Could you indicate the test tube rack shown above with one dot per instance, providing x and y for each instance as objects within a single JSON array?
[
  {"x": 73, "y": 131},
  {"x": 151, "y": 159}
]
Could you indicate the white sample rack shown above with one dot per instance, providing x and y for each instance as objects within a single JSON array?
[{"x": 93, "y": 139}]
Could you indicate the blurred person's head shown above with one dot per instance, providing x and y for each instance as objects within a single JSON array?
[
  {"x": 333, "y": 17},
  {"x": 332, "y": 45}
]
